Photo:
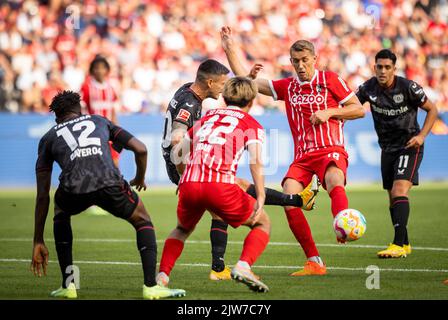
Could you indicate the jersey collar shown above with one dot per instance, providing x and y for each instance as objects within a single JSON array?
[
  {"x": 305, "y": 82},
  {"x": 194, "y": 93}
]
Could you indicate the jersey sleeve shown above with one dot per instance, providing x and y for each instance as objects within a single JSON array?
[
  {"x": 184, "y": 113},
  {"x": 279, "y": 88},
  {"x": 339, "y": 88},
  {"x": 361, "y": 94},
  {"x": 417, "y": 96},
  {"x": 44, "y": 157},
  {"x": 254, "y": 133},
  {"x": 84, "y": 93},
  {"x": 119, "y": 136}
]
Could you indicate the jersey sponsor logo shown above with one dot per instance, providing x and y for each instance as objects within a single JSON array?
[
  {"x": 398, "y": 98},
  {"x": 173, "y": 103},
  {"x": 183, "y": 115},
  {"x": 390, "y": 112},
  {"x": 307, "y": 99}
]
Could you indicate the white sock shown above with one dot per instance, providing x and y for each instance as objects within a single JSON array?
[
  {"x": 243, "y": 264},
  {"x": 316, "y": 259}
]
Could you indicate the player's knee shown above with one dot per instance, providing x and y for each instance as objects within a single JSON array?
[
  {"x": 243, "y": 184},
  {"x": 263, "y": 223},
  {"x": 334, "y": 177},
  {"x": 291, "y": 186},
  {"x": 61, "y": 216},
  {"x": 399, "y": 191}
]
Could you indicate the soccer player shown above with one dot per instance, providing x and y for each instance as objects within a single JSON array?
[
  {"x": 99, "y": 96},
  {"x": 317, "y": 103},
  {"x": 208, "y": 181},
  {"x": 80, "y": 145},
  {"x": 394, "y": 102},
  {"x": 184, "y": 109}
]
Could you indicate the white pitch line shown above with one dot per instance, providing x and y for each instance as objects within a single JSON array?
[
  {"x": 127, "y": 263},
  {"x": 294, "y": 244}
]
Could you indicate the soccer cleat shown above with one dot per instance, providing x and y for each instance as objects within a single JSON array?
[
  {"x": 309, "y": 194},
  {"x": 246, "y": 276},
  {"x": 162, "y": 279},
  {"x": 223, "y": 275},
  {"x": 393, "y": 251},
  {"x": 407, "y": 248},
  {"x": 311, "y": 268},
  {"x": 159, "y": 292},
  {"x": 67, "y": 293}
]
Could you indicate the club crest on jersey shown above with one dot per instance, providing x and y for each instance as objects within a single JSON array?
[
  {"x": 398, "y": 98},
  {"x": 183, "y": 115},
  {"x": 307, "y": 99},
  {"x": 318, "y": 88}
]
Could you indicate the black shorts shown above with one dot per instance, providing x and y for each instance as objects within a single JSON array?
[
  {"x": 171, "y": 169},
  {"x": 120, "y": 201},
  {"x": 401, "y": 165}
]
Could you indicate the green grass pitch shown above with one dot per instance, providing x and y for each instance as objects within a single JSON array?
[{"x": 105, "y": 251}]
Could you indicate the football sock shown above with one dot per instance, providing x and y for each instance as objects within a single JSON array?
[
  {"x": 171, "y": 252},
  {"x": 339, "y": 200},
  {"x": 406, "y": 239},
  {"x": 400, "y": 214},
  {"x": 277, "y": 198},
  {"x": 301, "y": 230},
  {"x": 316, "y": 259},
  {"x": 218, "y": 238},
  {"x": 254, "y": 245},
  {"x": 147, "y": 246},
  {"x": 63, "y": 239}
]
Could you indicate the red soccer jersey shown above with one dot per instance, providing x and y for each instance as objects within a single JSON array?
[
  {"x": 100, "y": 98},
  {"x": 302, "y": 99},
  {"x": 218, "y": 141}
]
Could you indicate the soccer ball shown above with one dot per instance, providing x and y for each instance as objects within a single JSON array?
[{"x": 349, "y": 225}]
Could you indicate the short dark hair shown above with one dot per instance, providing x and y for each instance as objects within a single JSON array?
[
  {"x": 386, "y": 54},
  {"x": 98, "y": 59},
  {"x": 302, "y": 45},
  {"x": 65, "y": 102},
  {"x": 210, "y": 68}
]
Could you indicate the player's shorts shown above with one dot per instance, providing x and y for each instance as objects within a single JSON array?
[
  {"x": 226, "y": 200},
  {"x": 171, "y": 169},
  {"x": 317, "y": 162},
  {"x": 120, "y": 201},
  {"x": 401, "y": 165},
  {"x": 114, "y": 153}
]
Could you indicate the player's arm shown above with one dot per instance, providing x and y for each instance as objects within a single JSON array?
[
  {"x": 180, "y": 152},
  {"x": 238, "y": 69},
  {"x": 431, "y": 116},
  {"x": 178, "y": 132},
  {"x": 123, "y": 139},
  {"x": 352, "y": 109},
  {"x": 44, "y": 166},
  {"x": 256, "y": 170}
]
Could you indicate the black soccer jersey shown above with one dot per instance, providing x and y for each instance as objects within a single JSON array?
[
  {"x": 394, "y": 110},
  {"x": 81, "y": 148},
  {"x": 186, "y": 108}
]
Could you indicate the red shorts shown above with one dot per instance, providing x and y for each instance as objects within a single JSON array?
[
  {"x": 317, "y": 162},
  {"x": 226, "y": 200},
  {"x": 114, "y": 153}
]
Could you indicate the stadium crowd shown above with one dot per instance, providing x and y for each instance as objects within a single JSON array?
[{"x": 155, "y": 46}]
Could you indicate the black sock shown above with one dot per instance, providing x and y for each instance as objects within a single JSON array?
[
  {"x": 406, "y": 239},
  {"x": 63, "y": 239},
  {"x": 218, "y": 238},
  {"x": 147, "y": 246},
  {"x": 277, "y": 198},
  {"x": 400, "y": 216}
]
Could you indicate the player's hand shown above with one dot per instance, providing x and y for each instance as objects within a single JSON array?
[
  {"x": 319, "y": 117},
  {"x": 256, "y": 68},
  {"x": 415, "y": 142},
  {"x": 226, "y": 38},
  {"x": 39, "y": 260},
  {"x": 138, "y": 184},
  {"x": 258, "y": 209}
]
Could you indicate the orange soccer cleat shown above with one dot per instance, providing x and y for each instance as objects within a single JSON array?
[{"x": 311, "y": 268}]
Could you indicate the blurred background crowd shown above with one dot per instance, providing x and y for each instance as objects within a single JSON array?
[{"x": 155, "y": 46}]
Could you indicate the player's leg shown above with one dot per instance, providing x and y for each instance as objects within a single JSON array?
[
  {"x": 254, "y": 245},
  {"x": 66, "y": 205},
  {"x": 277, "y": 198},
  {"x": 189, "y": 211},
  {"x": 218, "y": 239},
  {"x": 335, "y": 185},
  {"x": 301, "y": 229}
]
